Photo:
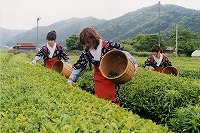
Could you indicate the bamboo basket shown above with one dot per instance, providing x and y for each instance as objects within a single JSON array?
[
  {"x": 170, "y": 70},
  {"x": 62, "y": 68},
  {"x": 117, "y": 61}
]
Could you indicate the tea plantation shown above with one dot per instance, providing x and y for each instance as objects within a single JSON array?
[{"x": 36, "y": 99}]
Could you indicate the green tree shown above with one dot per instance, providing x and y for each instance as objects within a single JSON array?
[
  {"x": 73, "y": 43},
  {"x": 188, "y": 40},
  {"x": 144, "y": 42}
]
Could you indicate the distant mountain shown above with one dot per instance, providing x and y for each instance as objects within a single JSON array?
[
  {"x": 63, "y": 28},
  {"x": 144, "y": 20},
  {"x": 6, "y": 35}
]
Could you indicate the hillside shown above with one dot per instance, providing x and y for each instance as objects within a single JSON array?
[
  {"x": 64, "y": 29},
  {"x": 144, "y": 20},
  {"x": 6, "y": 34}
]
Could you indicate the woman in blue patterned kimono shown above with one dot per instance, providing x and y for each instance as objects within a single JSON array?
[
  {"x": 157, "y": 61},
  {"x": 51, "y": 52},
  {"x": 94, "y": 49}
]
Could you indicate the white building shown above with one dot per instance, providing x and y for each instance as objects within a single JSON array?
[{"x": 196, "y": 53}]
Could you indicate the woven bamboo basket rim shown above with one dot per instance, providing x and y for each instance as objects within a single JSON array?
[
  {"x": 59, "y": 70},
  {"x": 64, "y": 69},
  {"x": 170, "y": 67},
  {"x": 120, "y": 74},
  {"x": 125, "y": 70}
]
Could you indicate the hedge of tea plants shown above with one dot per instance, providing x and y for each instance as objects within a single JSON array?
[
  {"x": 186, "y": 119},
  {"x": 36, "y": 99},
  {"x": 188, "y": 67},
  {"x": 157, "y": 96}
]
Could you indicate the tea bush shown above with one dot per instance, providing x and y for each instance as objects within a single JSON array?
[
  {"x": 186, "y": 119},
  {"x": 155, "y": 96},
  {"x": 36, "y": 99}
]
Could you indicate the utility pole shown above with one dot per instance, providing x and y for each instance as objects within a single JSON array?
[
  {"x": 159, "y": 23},
  {"x": 37, "y": 29},
  {"x": 176, "y": 40}
]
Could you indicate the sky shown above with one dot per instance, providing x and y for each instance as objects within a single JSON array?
[{"x": 23, "y": 14}]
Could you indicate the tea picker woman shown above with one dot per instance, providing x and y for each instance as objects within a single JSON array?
[
  {"x": 51, "y": 52},
  {"x": 157, "y": 61},
  {"x": 94, "y": 48}
]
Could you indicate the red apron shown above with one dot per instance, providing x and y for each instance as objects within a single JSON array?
[
  {"x": 158, "y": 69},
  {"x": 104, "y": 88},
  {"x": 50, "y": 61}
]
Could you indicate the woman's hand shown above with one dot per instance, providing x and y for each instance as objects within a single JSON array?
[
  {"x": 33, "y": 62},
  {"x": 151, "y": 68},
  {"x": 71, "y": 83},
  {"x": 70, "y": 65}
]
